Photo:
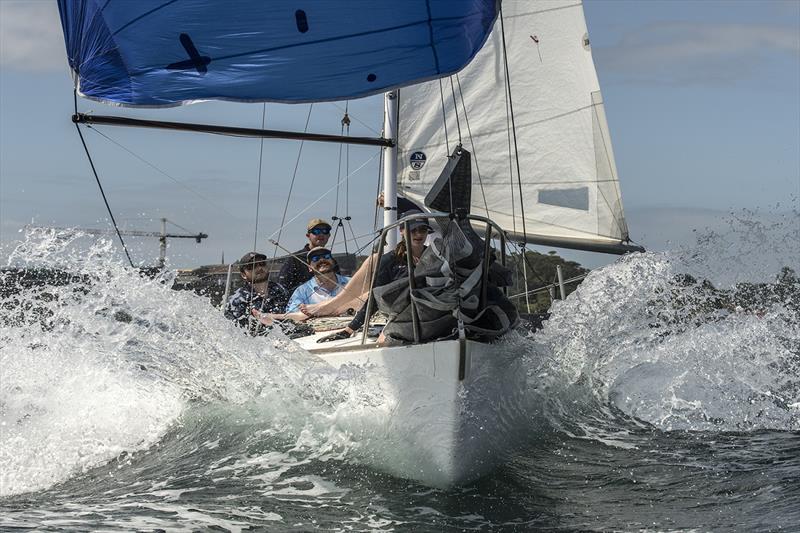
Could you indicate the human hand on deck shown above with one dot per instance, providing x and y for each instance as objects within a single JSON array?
[
  {"x": 346, "y": 333},
  {"x": 264, "y": 318}
]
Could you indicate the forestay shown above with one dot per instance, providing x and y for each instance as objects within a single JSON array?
[
  {"x": 170, "y": 52},
  {"x": 569, "y": 180}
]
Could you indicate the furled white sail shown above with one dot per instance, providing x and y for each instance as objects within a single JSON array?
[{"x": 570, "y": 191}]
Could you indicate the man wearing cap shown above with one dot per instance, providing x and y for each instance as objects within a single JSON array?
[
  {"x": 324, "y": 284},
  {"x": 294, "y": 271},
  {"x": 257, "y": 292}
]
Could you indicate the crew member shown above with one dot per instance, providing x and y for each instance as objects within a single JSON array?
[
  {"x": 294, "y": 271},
  {"x": 324, "y": 284},
  {"x": 257, "y": 291},
  {"x": 392, "y": 266}
]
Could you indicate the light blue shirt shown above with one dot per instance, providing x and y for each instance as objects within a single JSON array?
[{"x": 311, "y": 293}]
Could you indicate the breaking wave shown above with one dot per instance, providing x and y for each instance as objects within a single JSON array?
[
  {"x": 108, "y": 374},
  {"x": 703, "y": 339}
]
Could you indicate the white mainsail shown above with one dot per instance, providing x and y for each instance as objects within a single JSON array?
[{"x": 570, "y": 191}]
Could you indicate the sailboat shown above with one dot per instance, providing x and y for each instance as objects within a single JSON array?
[{"x": 494, "y": 122}]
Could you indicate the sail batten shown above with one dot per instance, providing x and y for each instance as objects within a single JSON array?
[
  {"x": 568, "y": 176},
  {"x": 154, "y": 53}
]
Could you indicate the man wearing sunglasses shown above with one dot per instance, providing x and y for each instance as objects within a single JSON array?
[
  {"x": 294, "y": 271},
  {"x": 324, "y": 284},
  {"x": 257, "y": 291}
]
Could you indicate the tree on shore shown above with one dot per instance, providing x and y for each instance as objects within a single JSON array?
[{"x": 541, "y": 271}]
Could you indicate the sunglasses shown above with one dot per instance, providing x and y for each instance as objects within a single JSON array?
[
  {"x": 320, "y": 231},
  {"x": 315, "y": 258}
]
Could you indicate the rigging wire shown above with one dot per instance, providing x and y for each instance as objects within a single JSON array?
[
  {"x": 347, "y": 217},
  {"x": 258, "y": 190},
  {"x": 157, "y": 169},
  {"x": 380, "y": 182},
  {"x": 510, "y": 112},
  {"x": 285, "y": 223},
  {"x": 511, "y": 179},
  {"x": 251, "y": 319},
  {"x": 472, "y": 145},
  {"x": 179, "y": 226},
  {"x": 367, "y": 126},
  {"x": 338, "y": 179},
  {"x": 444, "y": 119},
  {"x": 455, "y": 107},
  {"x": 447, "y": 143},
  {"x": 291, "y": 186},
  {"x": 513, "y": 124},
  {"x": 100, "y": 185},
  {"x": 347, "y": 165},
  {"x": 345, "y": 132}
]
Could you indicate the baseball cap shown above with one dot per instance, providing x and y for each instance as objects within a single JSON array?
[
  {"x": 317, "y": 250},
  {"x": 249, "y": 260},
  {"x": 314, "y": 222},
  {"x": 416, "y": 223}
]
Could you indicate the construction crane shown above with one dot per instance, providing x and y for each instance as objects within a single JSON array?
[{"x": 162, "y": 236}]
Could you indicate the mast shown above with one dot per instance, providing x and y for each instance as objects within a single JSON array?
[{"x": 390, "y": 165}]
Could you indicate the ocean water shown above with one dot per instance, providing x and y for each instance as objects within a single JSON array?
[{"x": 656, "y": 403}]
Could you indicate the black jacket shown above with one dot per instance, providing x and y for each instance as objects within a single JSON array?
[
  {"x": 245, "y": 298},
  {"x": 294, "y": 271}
]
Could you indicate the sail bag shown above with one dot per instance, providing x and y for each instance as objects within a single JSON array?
[{"x": 448, "y": 290}]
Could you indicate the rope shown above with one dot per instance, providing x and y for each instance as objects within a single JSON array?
[
  {"x": 513, "y": 124},
  {"x": 516, "y": 151},
  {"x": 100, "y": 185}
]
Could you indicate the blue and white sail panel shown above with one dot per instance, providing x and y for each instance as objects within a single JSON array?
[{"x": 170, "y": 52}]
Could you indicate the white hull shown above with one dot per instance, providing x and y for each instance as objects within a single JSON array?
[{"x": 439, "y": 429}]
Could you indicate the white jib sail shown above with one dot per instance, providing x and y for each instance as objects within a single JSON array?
[{"x": 570, "y": 190}]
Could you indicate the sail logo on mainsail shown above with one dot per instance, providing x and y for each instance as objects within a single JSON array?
[{"x": 417, "y": 160}]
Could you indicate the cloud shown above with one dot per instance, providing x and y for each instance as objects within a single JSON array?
[
  {"x": 697, "y": 53},
  {"x": 30, "y": 36}
]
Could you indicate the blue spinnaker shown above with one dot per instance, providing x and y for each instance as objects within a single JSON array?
[{"x": 170, "y": 52}]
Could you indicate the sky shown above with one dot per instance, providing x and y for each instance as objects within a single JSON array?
[{"x": 702, "y": 99}]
